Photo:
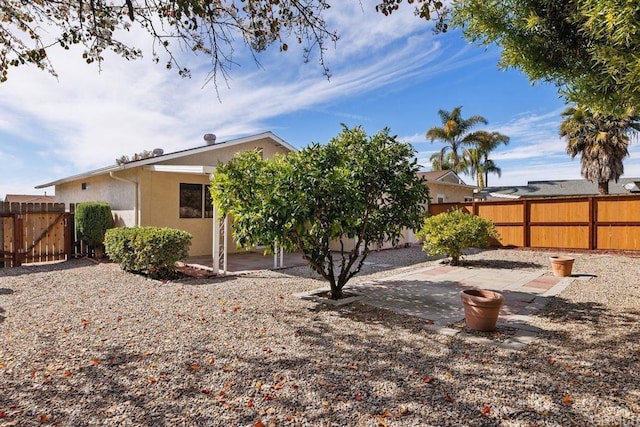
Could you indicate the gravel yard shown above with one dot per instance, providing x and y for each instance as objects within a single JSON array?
[{"x": 86, "y": 344}]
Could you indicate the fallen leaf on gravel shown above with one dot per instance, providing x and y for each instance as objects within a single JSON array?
[
  {"x": 386, "y": 413},
  {"x": 205, "y": 391},
  {"x": 341, "y": 399},
  {"x": 295, "y": 386},
  {"x": 258, "y": 385},
  {"x": 95, "y": 361},
  {"x": 551, "y": 360},
  {"x": 1, "y": 365},
  {"x": 3, "y": 414},
  {"x": 258, "y": 424},
  {"x": 358, "y": 397},
  {"x": 268, "y": 397},
  {"x": 486, "y": 410},
  {"x": 427, "y": 380},
  {"x": 152, "y": 380},
  {"x": 212, "y": 361},
  {"x": 250, "y": 404},
  {"x": 236, "y": 308},
  {"x": 44, "y": 418},
  {"x": 567, "y": 400},
  {"x": 194, "y": 366},
  {"x": 263, "y": 330},
  {"x": 85, "y": 322},
  {"x": 448, "y": 398}
]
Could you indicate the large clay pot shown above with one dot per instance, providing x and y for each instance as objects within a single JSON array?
[
  {"x": 561, "y": 265},
  {"x": 481, "y": 308}
]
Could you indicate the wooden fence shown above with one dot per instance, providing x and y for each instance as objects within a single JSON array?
[
  {"x": 597, "y": 222},
  {"x": 35, "y": 232}
]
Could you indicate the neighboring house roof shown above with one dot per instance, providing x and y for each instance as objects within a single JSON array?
[
  {"x": 171, "y": 156},
  {"x": 444, "y": 177},
  {"x": 572, "y": 187},
  {"x": 28, "y": 198}
]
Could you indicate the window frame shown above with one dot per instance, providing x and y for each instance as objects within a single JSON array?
[{"x": 205, "y": 208}]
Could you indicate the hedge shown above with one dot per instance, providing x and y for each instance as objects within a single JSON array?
[
  {"x": 148, "y": 250},
  {"x": 93, "y": 219}
]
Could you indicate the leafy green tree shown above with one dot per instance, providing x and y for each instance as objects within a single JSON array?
[
  {"x": 355, "y": 192},
  {"x": 455, "y": 132},
  {"x": 588, "y": 48},
  {"x": 30, "y": 29},
  {"x": 453, "y": 232},
  {"x": 601, "y": 140}
]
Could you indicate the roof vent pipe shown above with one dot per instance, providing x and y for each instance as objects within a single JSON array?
[{"x": 210, "y": 138}]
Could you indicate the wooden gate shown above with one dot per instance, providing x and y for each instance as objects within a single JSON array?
[{"x": 34, "y": 232}]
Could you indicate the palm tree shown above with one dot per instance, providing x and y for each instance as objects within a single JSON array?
[
  {"x": 602, "y": 140},
  {"x": 440, "y": 161},
  {"x": 454, "y": 132},
  {"x": 487, "y": 142},
  {"x": 472, "y": 164}
]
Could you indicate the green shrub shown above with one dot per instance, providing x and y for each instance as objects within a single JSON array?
[
  {"x": 149, "y": 250},
  {"x": 453, "y": 232},
  {"x": 93, "y": 219}
]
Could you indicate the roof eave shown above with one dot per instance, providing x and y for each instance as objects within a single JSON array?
[{"x": 170, "y": 156}]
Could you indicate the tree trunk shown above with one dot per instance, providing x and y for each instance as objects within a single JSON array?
[
  {"x": 603, "y": 188},
  {"x": 336, "y": 290}
]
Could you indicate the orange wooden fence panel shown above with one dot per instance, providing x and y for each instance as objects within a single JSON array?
[
  {"x": 559, "y": 211},
  {"x": 595, "y": 222},
  {"x": 619, "y": 210},
  {"x": 618, "y": 237},
  {"x": 502, "y": 213}
]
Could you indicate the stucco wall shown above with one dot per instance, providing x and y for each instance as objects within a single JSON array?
[
  {"x": 451, "y": 193},
  {"x": 159, "y": 193},
  {"x": 223, "y": 154},
  {"x": 102, "y": 188}
]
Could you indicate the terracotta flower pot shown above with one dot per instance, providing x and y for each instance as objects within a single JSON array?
[
  {"x": 481, "y": 308},
  {"x": 561, "y": 265}
]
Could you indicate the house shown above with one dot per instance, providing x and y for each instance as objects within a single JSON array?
[
  {"x": 447, "y": 187},
  {"x": 28, "y": 198},
  {"x": 167, "y": 190},
  {"x": 558, "y": 188},
  {"x": 444, "y": 187}
]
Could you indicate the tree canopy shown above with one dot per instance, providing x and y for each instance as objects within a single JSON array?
[
  {"x": 601, "y": 140},
  {"x": 30, "y": 29},
  {"x": 589, "y": 48},
  {"x": 454, "y": 132},
  {"x": 346, "y": 196}
]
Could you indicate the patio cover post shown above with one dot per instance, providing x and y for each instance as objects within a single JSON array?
[
  {"x": 224, "y": 244},
  {"x": 275, "y": 255},
  {"x": 281, "y": 257},
  {"x": 216, "y": 241}
]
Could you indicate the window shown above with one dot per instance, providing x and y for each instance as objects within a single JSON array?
[
  {"x": 195, "y": 201},
  {"x": 440, "y": 198},
  {"x": 85, "y": 186}
]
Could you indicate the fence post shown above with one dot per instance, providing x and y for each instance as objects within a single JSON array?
[
  {"x": 593, "y": 229},
  {"x": 68, "y": 237},
  {"x": 18, "y": 239},
  {"x": 526, "y": 224}
]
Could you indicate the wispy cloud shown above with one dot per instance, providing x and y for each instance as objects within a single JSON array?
[{"x": 85, "y": 119}]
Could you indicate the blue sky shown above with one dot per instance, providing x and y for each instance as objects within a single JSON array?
[{"x": 386, "y": 72}]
